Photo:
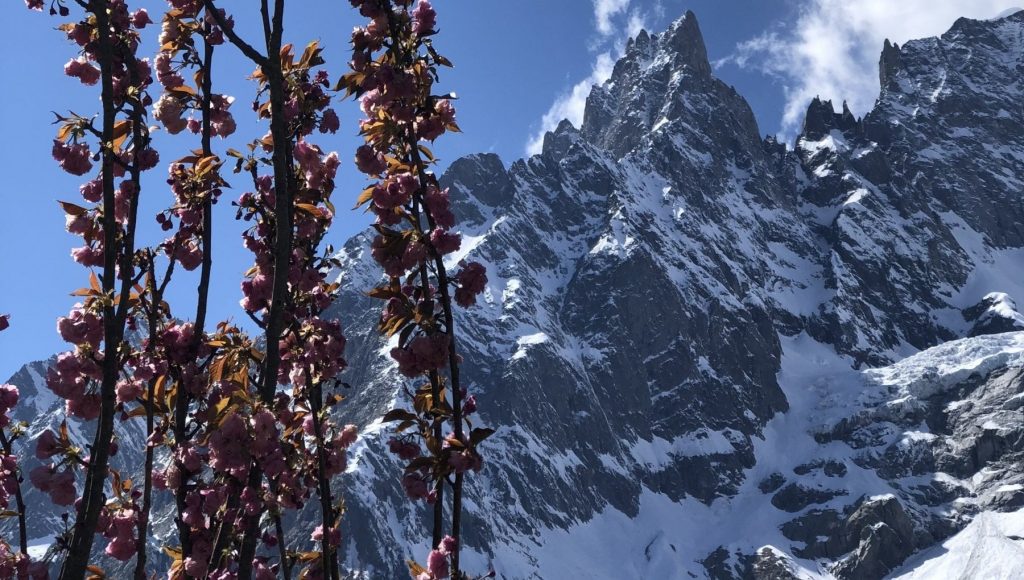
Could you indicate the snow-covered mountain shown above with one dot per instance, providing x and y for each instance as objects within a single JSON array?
[{"x": 709, "y": 355}]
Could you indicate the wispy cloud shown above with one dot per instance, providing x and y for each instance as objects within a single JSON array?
[
  {"x": 614, "y": 22},
  {"x": 832, "y": 48},
  {"x": 604, "y": 10},
  {"x": 571, "y": 104}
]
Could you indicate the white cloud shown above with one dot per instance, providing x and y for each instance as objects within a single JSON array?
[
  {"x": 637, "y": 22},
  {"x": 604, "y": 10},
  {"x": 609, "y": 47},
  {"x": 832, "y": 48},
  {"x": 571, "y": 104}
]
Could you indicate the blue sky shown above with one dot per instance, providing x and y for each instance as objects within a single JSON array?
[{"x": 521, "y": 66}]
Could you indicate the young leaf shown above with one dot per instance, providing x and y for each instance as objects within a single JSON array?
[
  {"x": 398, "y": 415},
  {"x": 479, "y": 434}
]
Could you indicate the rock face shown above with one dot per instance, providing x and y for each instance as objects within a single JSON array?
[{"x": 711, "y": 356}]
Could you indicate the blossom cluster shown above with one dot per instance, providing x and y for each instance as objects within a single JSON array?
[
  {"x": 8, "y": 463},
  {"x": 394, "y": 70},
  {"x": 246, "y": 432},
  {"x": 74, "y": 371},
  {"x": 179, "y": 31},
  {"x": 12, "y": 563},
  {"x": 414, "y": 220},
  {"x": 438, "y": 565},
  {"x": 310, "y": 346}
]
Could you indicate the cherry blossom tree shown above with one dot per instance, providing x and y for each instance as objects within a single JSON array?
[
  {"x": 394, "y": 69},
  {"x": 239, "y": 427}
]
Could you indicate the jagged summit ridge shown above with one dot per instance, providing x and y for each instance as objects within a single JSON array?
[{"x": 660, "y": 79}]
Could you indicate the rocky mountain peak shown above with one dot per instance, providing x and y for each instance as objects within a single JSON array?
[
  {"x": 889, "y": 63},
  {"x": 557, "y": 143},
  {"x": 821, "y": 118},
  {"x": 684, "y": 39},
  {"x": 664, "y": 82},
  {"x": 479, "y": 186}
]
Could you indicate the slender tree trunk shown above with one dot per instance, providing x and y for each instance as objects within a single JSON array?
[
  {"x": 453, "y": 369},
  {"x": 183, "y": 400},
  {"x": 147, "y": 489},
  {"x": 283, "y": 190},
  {"x": 328, "y": 554}
]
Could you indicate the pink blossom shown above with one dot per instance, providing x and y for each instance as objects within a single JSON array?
[
  {"x": 395, "y": 191},
  {"x": 348, "y": 436},
  {"x": 464, "y": 461},
  {"x": 445, "y": 111},
  {"x": 165, "y": 72},
  {"x": 424, "y": 18},
  {"x": 62, "y": 488},
  {"x": 88, "y": 256},
  {"x": 8, "y": 397},
  {"x": 128, "y": 390},
  {"x": 42, "y": 477},
  {"x": 80, "y": 34},
  {"x": 257, "y": 292},
  {"x": 308, "y": 158},
  {"x": 424, "y": 353},
  {"x": 81, "y": 69},
  {"x": 92, "y": 190},
  {"x": 121, "y": 530},
  {"x": 437, "y": 563},
  {"x": 140, "y": 18},
  {"x": 78, "y": 224},
  {"x": 189, "y": 458},
  {"x": 333, "y": 535},
  {"x": 337, "y": 461},
  {"x": 189, "y": 255},
  {"x": 415, "y": 252},
  {"x": 439, "y": 206},
  {"x": 229, "y": 446},
  {"x": 169, "y": 32},
  {"x": 72, "y": 158},
  {"x": 430, "y": 128},
  {"x": 263, "y": 571},
  {"x": 469, "y": 405},
  {"x": 196, "y": 567},
  {"x": 405, "y": 450},
  {"x": 80, "y": 327},
  {"x": 445, "y": 242},
  {"x": 370, "y": 101},
  {"x": 68, "y": 377},
  {"x": 415, "y": 485},
  {"x": 86, "y": 408},
  {"x": 47, "y": 445},
  {"x": 121, "y": 549},
  {"x": 148, "y": 158},
  {"x": 168, "y": 110},
  {"x": 329, "y": 122},
  {"x": 472, "y": 280},
  {"x": 369, "y": 161},
  {"x": 264, "y": 429},
  {"x": 222, "y": 123}
]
